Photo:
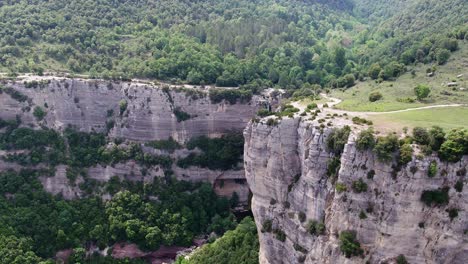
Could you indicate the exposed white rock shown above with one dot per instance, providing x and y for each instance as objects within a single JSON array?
[{"x": 274, "y": 155}]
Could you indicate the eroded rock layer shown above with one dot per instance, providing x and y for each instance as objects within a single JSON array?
[{"x": 286, "y": 168}]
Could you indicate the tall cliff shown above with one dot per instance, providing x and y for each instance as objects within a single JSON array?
[
  {"x": 286, "y": 168},
  {"x": 128, "y": 111}
]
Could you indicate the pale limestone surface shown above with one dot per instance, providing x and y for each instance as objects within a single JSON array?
[
  {"x": 84, "y": 105},
  {"x": 274, "y": 155}
]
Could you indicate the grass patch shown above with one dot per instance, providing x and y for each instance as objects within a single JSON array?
[
  {"x": 357, "y": 97},
  {"x": 447, "y": 118}
]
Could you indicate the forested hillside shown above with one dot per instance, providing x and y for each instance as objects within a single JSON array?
[{"x": 263, "y": 43}]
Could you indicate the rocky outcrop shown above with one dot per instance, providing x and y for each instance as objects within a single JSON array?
[
  {"x": 286, "y": 169},
  {"x": 149, "y": 115}
]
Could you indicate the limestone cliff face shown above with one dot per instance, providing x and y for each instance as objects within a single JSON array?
[
  {"x": 90, "y": 105},
  {"x": 286, "y": 167}
]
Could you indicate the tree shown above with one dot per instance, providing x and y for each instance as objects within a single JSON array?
[
  {"x": 421, "y": 136},
  {"x": 375, "y": 96},
  {"x": 385, "y": 147},
  {"x": 455, "y": 146},
  {"x": 422, "y": 91},
  {"x": 365, "y": 140},
  {"x": 15, "y": 250},
  {"x": 374, "y": 71},
  {"x": 442, "y": 56},
  {"x": 349, "y": 245}
]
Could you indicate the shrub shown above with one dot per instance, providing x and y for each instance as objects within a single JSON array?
[
  {"x": 271, "y": 122},
  {"x": 453, "y": 213},
  {"x": 374, "y": 71},
  {"x": 375, "y": 96},
  {"x": 459, "y": 186},
  {"x": 341, "y": 187},
  {"x": 280, "y": 235},
  {"x": 365, "y": 140},
  {"x": 267, "y": 226},
  {"x": 371, "y": 174},
  {"x": 442, "y": 56},
  {"x": 169, "y": 144},
  {"x": 455, "y": 146},
  {"x": 422, "y": 91},
  {"x": 299, "y": 248},
  {"x": 401, "y": 260},
  {"x": 337, "y": 139},
  {"x": 437, "y": 137},
  {"x": 435, "y": 197},
  {"x": 302, "y": 216},
  {"x": 181, "y": 115},
  {"x": 361, "y": 121},
  {"x": 39, "y": 113},
  {"x": 406, "y": 153},
  {"x": 123, "y": 106},
  {"x": 349, "y": 246},
  {"x": 311, "y": 106},
  {"x": 432, "y": 171},
  {"x": 362, "y": 215},
  {"x": 315, "y": 228},
  {"x": 332, "y": 167},
  {"x": 359, "y": 186},
  {"x": 264, "y": 112},
  {"x": 386, "y": 146},
  {"x": 421, "y": 136}
]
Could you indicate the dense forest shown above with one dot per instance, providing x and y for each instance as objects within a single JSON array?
[
  {"x": 162, "y": 212},
  {"x": 254, "y": 44},
  {"x": 290, "y": 44}
]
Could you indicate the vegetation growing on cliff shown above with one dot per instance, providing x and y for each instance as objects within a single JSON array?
[{"x": 236, "y": 246}]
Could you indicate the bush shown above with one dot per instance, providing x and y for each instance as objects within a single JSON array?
[
  {"x": 302, "y": 216},
  {"x": 271, "y": 122},
  {"x": 406, "y": 153},
  {"x": 422, "y": 91},
  {"x": 332, "y": 167},
  {"x": 181, "y": 115},
  {"x": 123, "y": 106},
  {"x": 267, "y": 226},
  {"x": 280, "y": 235},
  {"x": 401, "y": 260},
  {"x": 421, "y": 136},
  {"x": 453, "y": 213},
  {"x": 442, "y": 56},
  {"x": 365, "y": 140},
  {"x": 264, "y": 112},
  {"x": 435, "y": 197},
  {"x": 361, "y": 121},
  {"x": 385, "y": 147},
  {"x": 371, "y": 174},
  {"x": 455, "y": 146},
  {"x": 375, "y": 96},
  {"x": 341, "y": 187},
  {"x": 432, "y": 171},
  {"x": 459, "y": 186},
  {"x": 349, "y": 246},
  {"x": 359, "y": 186},
  {"x": 315, "y": 228},
  {"x": 311, "y": 106},
  {"x": 337, "y": 139},
  {"x": 437, "y": 137},
  {"x": 39, "y": 113}
]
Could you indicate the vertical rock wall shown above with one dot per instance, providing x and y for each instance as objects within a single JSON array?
[{"x": 286, "y": 169}]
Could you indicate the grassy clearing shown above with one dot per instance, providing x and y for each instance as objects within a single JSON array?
[
  {"x": 447, "y": 118},
  {"x": 357, "y": 97}
]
